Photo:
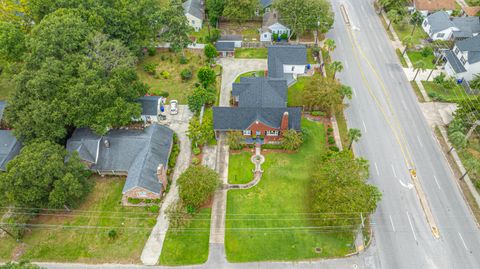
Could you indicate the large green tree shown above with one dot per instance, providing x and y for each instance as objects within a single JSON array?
[
  {"x": 73, "y": 76},
  {"x": 214, "y": 10},
  {"x": 240, "y": 10},
  {"x": 324, "y": 94},
  {"x": 176, "y": 27},
  {"x": 339, "y": 191},
  {"x": 303, "y": 15},
  {"x": 42, "y": 176},
  {"x": 12, "y": 42},
  {"x": 196, "y": 185}
]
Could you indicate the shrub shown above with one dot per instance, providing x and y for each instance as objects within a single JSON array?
[
  {"x": 112, "y": 234},
  {"x": 440, "y": 79},
  {"x": 272, "y": 146},
  {"x": 165, "y": 74},
  {"x": 174, "y": 154},
  {"x": 331, "y": 140},
  {"x": 434, "y": 96},
  {"x": 334, "y": 148},
  {"x": 284, "y": 36},
  {"x": 150, "y": 68},
  {"x": 292, "y": 140},
  {"x": 163, "y": 58},
  {"x": 195, "y": 161},
  {"x": 206, "y": 76},
  {"x": 275, "y": 36},
  {"x": 154, "y": 208},
  {"x": 183, "y": 60},
  {"x": 196, "y": 185},
  {"x": 148, "y": 201},
  {"x": 197, "y": 151},
  {"x": 134, "y": 201},
  {"x": 210, "y": 51},
  {"x": 329, "y": 130},
  {"x": 214, "y": 35},
  {"x": 318, "y": 113},
  {"x": 235, "y": 140},
  {"x": 426, "y": 51},
  {"x": 186, "y": 74},
  {"x": 151, "y": 51}
]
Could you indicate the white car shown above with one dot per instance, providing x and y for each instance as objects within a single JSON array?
[{"x": 173, "y": 107}]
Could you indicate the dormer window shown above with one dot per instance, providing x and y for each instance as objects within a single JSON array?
[
  {"x": 457, "y": 51},
  {"x": 462, "y": 59}
]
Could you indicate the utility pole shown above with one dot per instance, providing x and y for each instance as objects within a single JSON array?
[{"x": 436, "y": 62}]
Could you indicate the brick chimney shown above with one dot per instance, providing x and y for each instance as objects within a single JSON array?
[{"x": 284, "y": 124}]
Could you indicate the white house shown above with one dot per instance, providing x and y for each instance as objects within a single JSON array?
[
  {"x": 439, "y": 26},
  {"x": 426, "y": 7},
  {"x": 271, "y": 25},
  {"x": 463, "y": 62},
  {"x": 195, "y": 12}
]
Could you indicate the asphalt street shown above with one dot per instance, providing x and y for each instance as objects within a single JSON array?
[{"x": 396, "y": 138}]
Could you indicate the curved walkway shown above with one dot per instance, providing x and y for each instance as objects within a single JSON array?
[{"x": 258, "y": 159}]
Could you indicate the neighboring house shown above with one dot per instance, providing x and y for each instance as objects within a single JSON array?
[
  {"x": 195, "y": 12},
  {"x": 151, "y": 108},
  {"x": 287, "y": 62},
  {"x": 271, "y": 25},
  {"x": 439, "y": 26},
  {"x": 140, "y": 154},
  {"x": 9, "y": 145},
  {"x": 260, "y": 109},
  {"x": 463, "y": 62},
  {"x": 225, "y": 49},
  {"x": 471, "y": 11},
  {"x": 426, "y": 7},
  {"x": 236, "y": 39}
]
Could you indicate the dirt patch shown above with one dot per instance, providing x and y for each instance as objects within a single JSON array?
[
  {"x": 19, "y": 251},
  {"x": 249, "y": 29}
]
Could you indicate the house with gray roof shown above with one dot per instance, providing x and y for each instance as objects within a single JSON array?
[
  {"x": 9, "y": 145},
  {"x": 440, "y": 26},
  {"x": 151, "y": 108},
  {"x": 463, "y": 61},
  {"x": 287, "y": 62},
  {"x": 271, "y": 25},
  {"x": 139, "y": 154},
  {"x": 194, "y": 10}
]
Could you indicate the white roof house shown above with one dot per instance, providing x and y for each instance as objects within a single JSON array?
[{"x": 440, "y": 26}]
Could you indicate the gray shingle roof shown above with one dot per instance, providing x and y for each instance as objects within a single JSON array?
[
  {"x": 149, "y": 105},
  {"x": 472, "y": 45},
  {"x": 194, "y": 8},
  {"x": 439, "y": 21},
  {"x": 261, "y": 92},
  {"x": 266, "y": 3},
  {"x": 454, "y": 62},
  {"x": 280, "y": 55},
  {"x": 138, "y": 152},
  {"x": 467, "y": 25},
  {"x": 225, "y": 46},
  {"x": 240, "y": 118},
  {"x": 9, "y": 148},
  {"x": 230, "y": 38}
]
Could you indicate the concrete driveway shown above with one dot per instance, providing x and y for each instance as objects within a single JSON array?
[
  {"x": 232, "y": 68},
  {"x": 179, "y": 124}
]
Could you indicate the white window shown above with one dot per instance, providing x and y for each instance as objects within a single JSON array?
[
  {"x": 457, "y": 50},
  {"x": 247, "y": 132},
  {"x": 441, "y": 35},
  {"x": 142, "y": 194},
  {"x": 425, "y": 23},
  {"x": 462, "y": 59},
  {"x": 265, "y": 35},
  {"x": 271, "y": 133}
]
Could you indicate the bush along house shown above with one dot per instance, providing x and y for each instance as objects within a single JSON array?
[{"x": 259, "y": 108}]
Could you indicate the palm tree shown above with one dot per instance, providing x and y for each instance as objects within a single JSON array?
[
  {"x": 475, "y": 82},
  {"x": 407, "y": 42},
  {"x": 329, "y": 45},
  {"x": 419, "y": 66},
  {"x": 394, "y": 16},
  {"x": 346, "y": 91},
  {"x": 336, "y": 67},
  {"x": 458, "y": 139},
  {"x": 353, "y": 135},
  {"x": 416, "y": 20}
]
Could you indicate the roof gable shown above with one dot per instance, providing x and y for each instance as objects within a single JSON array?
[
  {"x": 280, "y": 55},
  {"x": 194, "y": 8},
  {"x": 261, "y": 92}
]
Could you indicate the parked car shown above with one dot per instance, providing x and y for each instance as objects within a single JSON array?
[{"x": 173, "y": 107}]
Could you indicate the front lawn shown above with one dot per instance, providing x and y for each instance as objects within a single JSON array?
[
  {"x": 188, "y": 245},
  {"x": 259, "y": 73},
  {"x": 82, "y": 236},
  {"x": 240, "y": 168},
  {"x": 416, "y": 56},
  {"x": 400, "y": 58},
  {"x": 256, "y": 53},
  {"x": 265, "y": 222},
  {"x": 417, "y": 91},
  {"x": 447, "y": 92},
  {"x": 295, "y": 92},
  {"x": 172, "y": 83},
  {"x": 405, "y": 29}
]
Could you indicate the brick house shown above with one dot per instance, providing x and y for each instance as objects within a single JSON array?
[
  {"x": 139, "y": 154},
  {"x": 260, "y": 109}
]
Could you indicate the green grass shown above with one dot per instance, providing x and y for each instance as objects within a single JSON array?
[
  {"x": 256, "y": 53},
  {"x": 470, "y": 155},
  {"x": 295, "y": 92},
  {"x": 310, "y": 59},
  {"x": 259, "y": 73},
  {"x": 6, "y": 85},
  {"x": 202, "y": 35},
  {"x": 174, "y": 85},
  {"x": 400, "y": 57},
  {"x": 278, "y": 201},
  {"x": 185, "y": 247},
  {"x": 454, "y": 93},
  {"x": 416, "y": 56},
  {"x": 240, "y": 168},
  {"x": 342, "y": 127},
  {"x": 89, "y": 245},
  {"x": 405, "y": 29},
  {"x": 417, "y": 91}
]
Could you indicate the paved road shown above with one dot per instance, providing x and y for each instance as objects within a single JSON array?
[{"x": 396, "y": 137}]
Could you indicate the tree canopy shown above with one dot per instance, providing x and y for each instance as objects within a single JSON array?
[
  {"x": 12, "y": 42},
  {"x": 196, "y": 185},
  {"x": 39, "y": 177},
  {"x": 324, "y": 94},
  {"x": 305, "y": 15},
  {"x": 240, "y": 10}
]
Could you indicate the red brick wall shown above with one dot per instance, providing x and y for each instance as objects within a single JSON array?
[{"x": 259, "y": 126}]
